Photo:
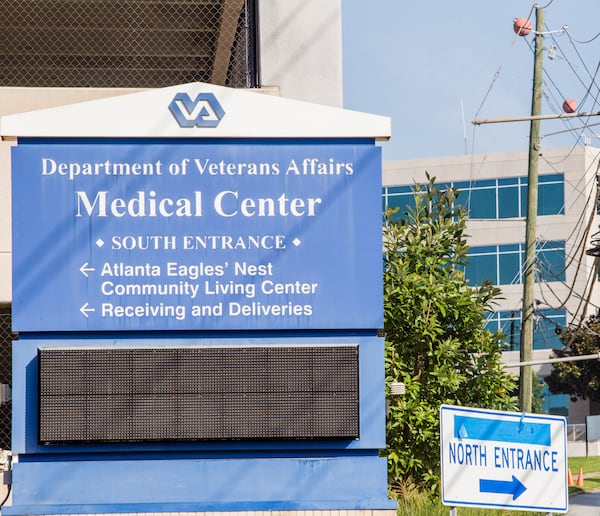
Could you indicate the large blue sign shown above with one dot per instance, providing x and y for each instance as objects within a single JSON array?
[{"x": 181, "y": 235}]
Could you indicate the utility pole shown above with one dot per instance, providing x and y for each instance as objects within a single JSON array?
[{"x": 525, "y": 390}]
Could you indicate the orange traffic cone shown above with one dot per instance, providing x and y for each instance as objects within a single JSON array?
[
  {"x": 570, "y": 478},
  {"x": 580, "y": 478}
]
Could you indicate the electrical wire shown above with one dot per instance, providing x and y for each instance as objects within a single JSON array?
[
  {"x": 502, "y": 63},
  {"x": 549, "y": 92},
  {"x": 588, "y": 41},
  {"x": 548, "y": 4},
  {"x": 580, "y": 232},
  {"x": 7, "y": 495}
]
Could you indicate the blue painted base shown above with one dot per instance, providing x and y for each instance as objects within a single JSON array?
[{"x": 198, "y": 485}]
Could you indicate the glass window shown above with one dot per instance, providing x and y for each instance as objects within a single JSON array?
[
  {"x": 503, "y": 264},
  {"x": 523, "y": 198},
  {"x": 400, "y": 197},
  {"x": 546, "y": 323},
  {"x": 482, "y": 204},
  {"x": 482, "y": 265},
  {"x": 483, "y": 184},
  {"x": 510, "y": 260},
  {"x": 551, "y": 261},
  {"x": 509, "y": 323},
  {"x": 544, "y": 332},
  {"x": 504, "y": 197},
  {"x": 508, "y": 202},
  {"x": 462, "y": 185},
  {"x": 551, "y": 197},
  {"x": 555, "y": 404}
]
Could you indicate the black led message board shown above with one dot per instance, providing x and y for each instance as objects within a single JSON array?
[{"x": 194, "y": 394}]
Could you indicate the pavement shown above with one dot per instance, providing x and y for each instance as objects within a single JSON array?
[{"x": 585, "y": 504}]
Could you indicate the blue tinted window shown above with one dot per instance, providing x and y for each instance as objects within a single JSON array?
[
  {"x": 482, "y": 204},
  {"x": 544, "y": 334},
  {"x": 551, "y": 199},
  {"x": 400, "y": 197},
  {"x": 509, "y": 323},
  {"x": 481, "y": 265},
  {"x": 551, "y": 261},
  {"x": 555, "y": 404},
  {"x": 547, "y": 322},
  {"x": 551, "y": 178},
  {"x": 483, "y": 249},
  {"x": 508, "y": 181},
  {"x": 392, "y": 190},
  {"x": 551, "y": 195},
  {"x": 483, "y": 183},
  {"x": 508, "y": 202},
  {"x": 503, "y": 264},
  {"x": 462, "y": 185},
  {"x": 504, "y": 197},
  {"x": 523, "y": 190},
  {"x": 510, "y": 262}
]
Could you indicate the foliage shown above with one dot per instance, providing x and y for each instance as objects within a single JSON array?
[
  {"x": 580, "y": 378},
  {"x": 436, "y": 343},
  {"x": 537, "y": 392}
]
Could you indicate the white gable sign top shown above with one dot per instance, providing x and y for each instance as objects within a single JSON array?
[{"x": 196, "y": 110}]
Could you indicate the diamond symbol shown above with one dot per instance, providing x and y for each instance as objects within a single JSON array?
[
  {"x": 296, "y": 241},
  {"x": 99, "y": 242}
]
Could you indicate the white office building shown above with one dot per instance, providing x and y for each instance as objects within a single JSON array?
[{"x": 494, "y": 189}]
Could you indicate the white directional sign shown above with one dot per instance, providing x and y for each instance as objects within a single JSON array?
[{"x": 503, "y": 459}]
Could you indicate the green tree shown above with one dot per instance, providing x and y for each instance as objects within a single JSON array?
[
  {"x": 580, "y": 378},
  {"x": 436, "y": 342}
]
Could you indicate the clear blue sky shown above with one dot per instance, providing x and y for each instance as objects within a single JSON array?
[{"x": 424, "y": 64}]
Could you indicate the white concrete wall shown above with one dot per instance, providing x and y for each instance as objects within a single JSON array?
[{"x": 301, "y": 49}]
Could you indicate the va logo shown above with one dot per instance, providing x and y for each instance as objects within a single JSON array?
[{"x": 203, "y": 111}]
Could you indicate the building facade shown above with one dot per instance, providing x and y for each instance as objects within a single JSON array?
[{"x": 494, "y": 190}]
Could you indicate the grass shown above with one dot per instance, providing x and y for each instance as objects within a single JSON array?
[
  {"x": 590, "y": 466},
  {"x": 412, "y": 502},
  {"x": 427, "y": 507}
]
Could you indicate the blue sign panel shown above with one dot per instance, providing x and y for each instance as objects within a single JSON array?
[{"x": 179, "y": 235}]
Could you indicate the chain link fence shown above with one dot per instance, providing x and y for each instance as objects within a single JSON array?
[
  {"x": 6, "y": 338},
  {"x": 127, "y": 43}
]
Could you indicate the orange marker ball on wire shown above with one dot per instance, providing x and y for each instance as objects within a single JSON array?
[
  {"x": 522, "y": 26},
  {"x": 569, "y": 106}
]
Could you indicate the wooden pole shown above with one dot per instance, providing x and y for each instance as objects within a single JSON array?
[{"x": 525, "y": 389}]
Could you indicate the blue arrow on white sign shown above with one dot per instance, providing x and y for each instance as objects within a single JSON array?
[{"x": 512, "y": 487}]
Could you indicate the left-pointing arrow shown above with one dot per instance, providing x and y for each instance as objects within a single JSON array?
[
  {"x": 513, "y": 487},
  {"x": 84, "y": 310},
  {"x": 85, "y": 269}
]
